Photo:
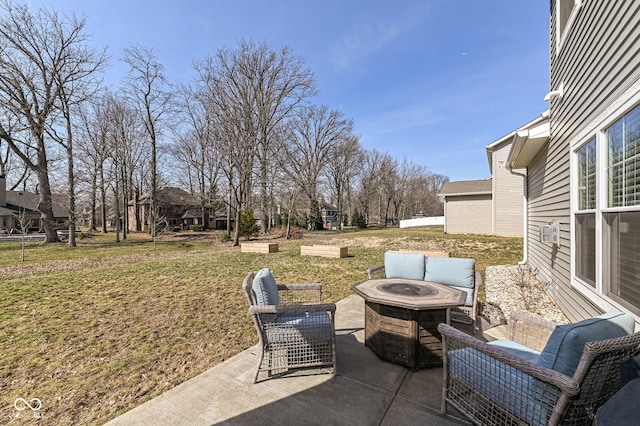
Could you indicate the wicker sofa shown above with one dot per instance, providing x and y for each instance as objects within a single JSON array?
[
  {"x": 296, "y": 331},
  {"x": 455, "y": 272},
  {"x": 544, "y": 374}
]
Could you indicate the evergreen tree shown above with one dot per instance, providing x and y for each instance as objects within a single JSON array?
[{"x": 248, "y": 226}]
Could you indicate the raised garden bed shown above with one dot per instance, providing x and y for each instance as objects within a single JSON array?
[
  {"x": 259, "y": 248},
  {"x": 325, "y": 251}
]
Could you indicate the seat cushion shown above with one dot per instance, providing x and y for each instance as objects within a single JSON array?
[
  {"x": 404, "y": 265},
  {"x": 517, "y": 349},
  {"x": 469, "y": 291},
  {"x": 265, "y": 288},
  {"x": 622, "y": 408},
  {"x": 566, "y": 344},
  {"x": 451, "y": 271},
  {"x": 517, "y": 392},
  {"x": 306, "y": 326}
]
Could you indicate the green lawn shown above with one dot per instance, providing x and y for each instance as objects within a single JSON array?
[{"x": 96, "y": 330}]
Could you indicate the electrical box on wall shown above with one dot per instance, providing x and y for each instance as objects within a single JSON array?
[{"x": 550, "y": 233}]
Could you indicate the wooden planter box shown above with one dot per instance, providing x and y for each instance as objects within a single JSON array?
[
  {"x": 325, "y": 251},
  {"x": 258, "y": 247}
]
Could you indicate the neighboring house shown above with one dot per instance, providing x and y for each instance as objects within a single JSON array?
[
  {"x": 467, "y": 207},
  {"x": 508, "y": 184},
  {"x": 583, "y": 186},
  {"x": 329, "y": 216},
  {"x": 19, "y": 206},
  {"x": 176, "y": 207},
  {"x": 494, "y": 206}
]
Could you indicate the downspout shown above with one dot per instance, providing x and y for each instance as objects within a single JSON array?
[{"x": 525, "y": 219}]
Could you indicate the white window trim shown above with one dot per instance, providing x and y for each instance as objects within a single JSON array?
[
  {"x": 597, "y": 130},
  {"x": 560, "y": 38}
]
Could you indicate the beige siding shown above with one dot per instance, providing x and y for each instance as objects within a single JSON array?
[
  {"x": 508, "y": 200},
  {"x": 596, "y": 63},
  {"x": 469, "y": 214}
]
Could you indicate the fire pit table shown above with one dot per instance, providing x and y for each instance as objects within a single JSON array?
[{"x": 402, "y": 316}]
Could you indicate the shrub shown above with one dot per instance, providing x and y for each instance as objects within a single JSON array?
[
  {"x": 248, "y": 226},
  {"x": 225, "y": 238},
  {"x": 196, "y": 228},
  {"x": 358, "y": 220},
  {"x": 528, "y": 286}
]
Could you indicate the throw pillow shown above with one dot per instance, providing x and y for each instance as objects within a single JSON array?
[
  {"x": 452, "y": 271},
  {"x": 566, "y": 344},
  {"x": 265, "y": 288}
]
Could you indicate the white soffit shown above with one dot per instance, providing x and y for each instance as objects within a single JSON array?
[{"x": 527, "y": 143}]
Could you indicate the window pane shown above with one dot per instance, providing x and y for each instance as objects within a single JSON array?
[
  {"x": 565, "y": 8},
  {"x": 586, "y": 247},
  {"x": 623, "y": 142},
  {"x": 622, "y": 257},
  {"x": 587, "y": 176}
]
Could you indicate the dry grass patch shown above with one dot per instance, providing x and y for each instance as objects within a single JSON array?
[{"x": 97, "y": 330}]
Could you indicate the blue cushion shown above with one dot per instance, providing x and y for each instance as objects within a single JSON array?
[
  {"x": 265, "y": 288},
  {"x": 307, "y": 326},
  {"x": 517, "y": 349},
  {"x": 451, "y": 271},
  {"x": 514, "y": 390},
  {"x": 469, "y": 300},
  {"x": 404, "y": 265},
  {"x": 622, "y": 408},
  {"x": 566, "y": 344}
]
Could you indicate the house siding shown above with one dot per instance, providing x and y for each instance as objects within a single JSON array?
[
  {"x": 596, "y": 63},
  {"x": 508, "y": 203},
  {"x": 468, "y": 214}
]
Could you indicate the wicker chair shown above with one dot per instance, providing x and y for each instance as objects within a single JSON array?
[
  {"x": 298, "y": 334},
  {"x": 495, "y": 386}
]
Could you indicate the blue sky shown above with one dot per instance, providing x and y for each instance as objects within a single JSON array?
[{"x": 434, "y": 81}]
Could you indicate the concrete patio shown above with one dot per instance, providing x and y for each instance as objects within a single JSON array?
[{"x": 366, "y": 390}]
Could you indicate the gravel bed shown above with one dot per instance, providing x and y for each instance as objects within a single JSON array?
[{"x": 510, "y": 288}]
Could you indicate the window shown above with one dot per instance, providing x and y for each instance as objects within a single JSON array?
[
  {"x": 622, "y": 250},
  {"x": 623, "y": 162},
  {"x": 621, "y": 241},
  {"x": 606, "y": 213},
  {"x": 566, "y": 11},
  {"x": 585, "y": 223},
  {"x": 587, "y": 176}
]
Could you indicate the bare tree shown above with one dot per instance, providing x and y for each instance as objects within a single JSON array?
[
  {"x": 94, "y": 151},
  {"x": 407, "y": 173},
  {"x": 387, "y": 188},
  {"x": 279, "y": 82},
  {"x": 436, "y": 182},
  {"x": 148, "y": 88},
  {"x": 12, "y": 165},
  {"x": 343, "y": 165},
  {"x": 127, "y": 153},
  {"x": 314, "y": 132},
  {"x": 36, "y": 53},
  {"x": 230, "y": 103},
  {"x": 76, "y": 84},
  {"x": 196, "y": 150},
  {"x": 369, "y": 180}
]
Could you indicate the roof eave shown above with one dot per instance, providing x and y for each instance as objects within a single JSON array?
[
  {"x": 527, "y": 143},
  {"x": 458, "y": 194},
  {"x": 510, "y": 137}
]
